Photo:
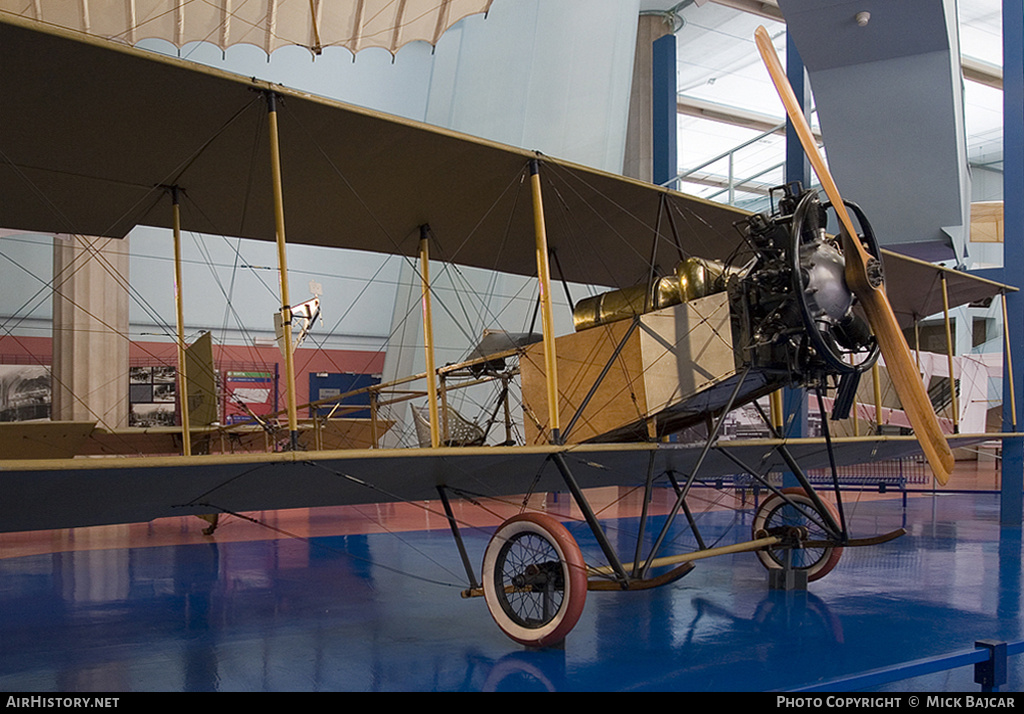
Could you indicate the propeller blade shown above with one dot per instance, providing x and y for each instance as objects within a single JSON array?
[{"x": 863, "y": 275}]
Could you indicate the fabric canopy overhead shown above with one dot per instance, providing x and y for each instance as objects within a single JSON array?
[
  {"x": 94, "y": 132},
  {"x": 268, "y": 24}
]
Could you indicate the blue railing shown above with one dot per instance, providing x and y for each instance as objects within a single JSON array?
[{"x": 989, "y": 659}]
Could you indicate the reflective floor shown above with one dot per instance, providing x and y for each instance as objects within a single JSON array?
[{"x": 368, "y": 599}]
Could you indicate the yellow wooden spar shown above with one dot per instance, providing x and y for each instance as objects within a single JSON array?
[
  {"x": 949, "y": 356},
  {"x": 776, "y": 411},
  {"x": 282, "y": 266},
  {"x": 186, "y": 439},
  {"x": 876, "y": 384},
  {"x": 428, "y": 338},
  {"x": 696, "y": 555},
  {"x": 547, "y": 320}
]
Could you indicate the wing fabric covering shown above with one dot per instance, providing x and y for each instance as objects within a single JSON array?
[
  {"x": 43, "y": 495},
  {"x": 93, "y": 131}
]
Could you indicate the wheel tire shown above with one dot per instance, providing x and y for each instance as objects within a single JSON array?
[
  {"x": 541, "y": 617},
  {"x": 775, "y": 511}
]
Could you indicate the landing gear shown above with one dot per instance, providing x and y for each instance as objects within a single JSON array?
[
  {"x": 534, "y": 579},
  {"x": 779, "y": 516}
]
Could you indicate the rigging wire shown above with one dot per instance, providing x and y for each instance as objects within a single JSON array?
[
  {"x": 318, "y": 543},
  {"x": 79, "y": 399},
  {"x": 152, "y": 193}
]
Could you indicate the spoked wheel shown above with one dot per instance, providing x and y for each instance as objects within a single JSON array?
[
  {"x": 777, "y": 513},
  {"x": 534, "y": 579}
]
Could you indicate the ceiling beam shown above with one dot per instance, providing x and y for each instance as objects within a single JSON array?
[
  {"x": 731, "y": 115},
  {"x": 712, "y": 181},
  {"x": 768, "y": 9},
  {"x": 985, "y": 73}
]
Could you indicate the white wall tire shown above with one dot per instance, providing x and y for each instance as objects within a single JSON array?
[
  {"x": 776, "y": 511},
  {"x": 534, "y": 579}
]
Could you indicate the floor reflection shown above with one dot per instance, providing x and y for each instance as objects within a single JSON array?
[{"x": 382, "y": 612}]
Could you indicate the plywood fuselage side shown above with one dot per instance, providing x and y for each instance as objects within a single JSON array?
[{"x": 670, "y": 358}]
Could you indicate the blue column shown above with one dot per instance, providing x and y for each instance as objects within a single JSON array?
[
  {"x": 663, "y": 102},
  {"x": 1010, "y": 508},
  {"x": 798, "y": 168}
]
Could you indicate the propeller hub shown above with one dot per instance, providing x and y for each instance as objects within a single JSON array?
[{"x": 873, "y": 268}]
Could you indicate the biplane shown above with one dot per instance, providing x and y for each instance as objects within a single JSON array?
[{"x": 705, "y": 308}]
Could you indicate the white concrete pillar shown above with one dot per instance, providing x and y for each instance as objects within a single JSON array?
[
  {"x": 639, "y": 154},
  {"x": 90, "y": 330}
]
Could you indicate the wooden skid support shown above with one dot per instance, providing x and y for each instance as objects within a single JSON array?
[
  {"x": 642, "y": 584},
  {"x": 699, "y": 554}
]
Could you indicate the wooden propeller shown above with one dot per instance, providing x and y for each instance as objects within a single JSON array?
[{"x": 864, "y": 277}]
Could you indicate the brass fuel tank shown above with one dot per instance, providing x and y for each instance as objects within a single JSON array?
[{"x": 693, "y": 278}]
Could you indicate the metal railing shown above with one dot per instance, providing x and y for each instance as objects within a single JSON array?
[
  {"x": 989, "y": 658},
  {"x": 732, "y": 185}
]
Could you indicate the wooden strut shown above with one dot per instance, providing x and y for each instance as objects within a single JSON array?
[
  {"x": 186, "y": 434},
  {"x": 954, "y": 408},
  {"x": 876, "y": 383},
  {"x": 747, "y": 546},
  {"x": 546, "y": 317},
  {"x": 282, "y": 266},
  {"x": 428, "y": 338},
  {"x": 1009, "y": 364},
  {"x": 744, "y": 547}
]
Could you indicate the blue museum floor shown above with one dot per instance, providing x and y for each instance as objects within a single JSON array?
[{"x": 291, "y": 606}]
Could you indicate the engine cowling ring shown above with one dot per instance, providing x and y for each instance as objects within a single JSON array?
[{"x": 819, "y": 284}]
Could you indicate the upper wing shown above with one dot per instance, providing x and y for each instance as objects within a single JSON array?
[{"x": 93, "y": 130}]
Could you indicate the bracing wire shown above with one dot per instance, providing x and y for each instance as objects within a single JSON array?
[{"x": 318, "y": 543}]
